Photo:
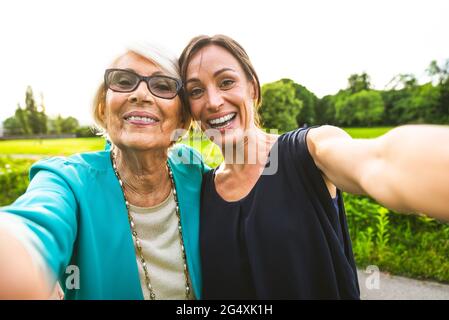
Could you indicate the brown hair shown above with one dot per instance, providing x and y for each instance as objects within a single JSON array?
[{"x": 234, "y": 48}]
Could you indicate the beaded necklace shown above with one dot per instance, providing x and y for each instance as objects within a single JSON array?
[{"x": 136, "y": 238}]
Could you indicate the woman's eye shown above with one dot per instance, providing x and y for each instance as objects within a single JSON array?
[
  {"x": 124, "y": 82},
  {"x": 162, "y": 87},
  {"x": 195, "y": 92},
  {"x": 227, "y": 83}
]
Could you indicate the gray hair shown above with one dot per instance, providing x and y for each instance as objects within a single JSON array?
[{"x": 160, "y": 55}]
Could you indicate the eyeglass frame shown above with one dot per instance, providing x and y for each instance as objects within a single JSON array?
[{"x": 179, "y": 84}]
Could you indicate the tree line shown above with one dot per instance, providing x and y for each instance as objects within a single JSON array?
[
  {"x": 32, "y": 120},
  {"x": 287, "y": 105}
]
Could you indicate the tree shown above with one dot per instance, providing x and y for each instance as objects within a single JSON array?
[
  {"x": 364, "y": 108},
  {"x": 421, "y": 105},
  {"x": 403, "y": 81},
  {"x": 309, "y": 101},
  {"x": 391, "y": 99},
  {"x": 399, "y": 88},
  {"x": 60, "y": 125},
  {"x": 22, "y": 117},
  {"x": 441, "y": 75},
  {"x": 325, "y": 110},
  {"x": 42, "y": 116},
  {"x": 31, "y": 110},
  {"x": 33, "y": 120},
  {"x": 69, "y": 125},
  {"x": 85, "y": 132},
  {"x": 32, "y": 117},
  {"x": 359, "y": 82},
  {"x": 280, "y": 107},
  {"x": 12, "y": 126},
  {"x": 55, "y": 125}
]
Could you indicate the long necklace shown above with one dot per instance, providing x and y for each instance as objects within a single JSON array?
[{"x": 136, "y": 238}]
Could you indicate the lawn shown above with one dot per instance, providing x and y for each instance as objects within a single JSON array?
[
  {"x": 364, "y": 133},
  {"x": 47, "y": 147}
]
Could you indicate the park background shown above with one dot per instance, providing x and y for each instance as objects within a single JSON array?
[{"x": 366, "y": 66}]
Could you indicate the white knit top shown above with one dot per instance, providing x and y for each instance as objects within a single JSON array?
[{"x": 157, "y": 230}]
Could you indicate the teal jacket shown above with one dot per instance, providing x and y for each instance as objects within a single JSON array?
[{"x": 76, "y": 208}]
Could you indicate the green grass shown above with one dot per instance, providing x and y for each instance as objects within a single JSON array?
[
  {"x": 65, "y": 147},
  {"x": 57, "y": 147},
  {"x": 365, "y": 133}
]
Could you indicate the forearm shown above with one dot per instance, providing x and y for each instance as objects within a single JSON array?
[
  {"x": 414, "y": 170},
  {"x": 20, "y": 276}
]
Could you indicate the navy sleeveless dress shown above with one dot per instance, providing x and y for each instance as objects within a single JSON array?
[{"x": 284, "y": 240}]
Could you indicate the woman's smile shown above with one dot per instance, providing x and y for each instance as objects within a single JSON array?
[
  {"x": 141, "y": 118},
  {"x": 222, "y": 121}
]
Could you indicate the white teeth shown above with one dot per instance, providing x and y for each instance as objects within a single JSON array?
[
  {"x": 221, "y": 120},
  {"x": 144, "y": 119}
]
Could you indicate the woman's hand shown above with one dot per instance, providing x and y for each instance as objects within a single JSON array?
[{"x": 20, "y": 278}]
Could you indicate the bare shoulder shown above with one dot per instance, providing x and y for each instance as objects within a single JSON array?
[{"x": 317, "y": 137}]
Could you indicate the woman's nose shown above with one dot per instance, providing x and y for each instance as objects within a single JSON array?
[
  {"x": 215, "y": 99},
  {"x": 141, "y": 94}
]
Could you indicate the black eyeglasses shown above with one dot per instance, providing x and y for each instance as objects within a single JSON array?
[{"x": 120, "y": 80}]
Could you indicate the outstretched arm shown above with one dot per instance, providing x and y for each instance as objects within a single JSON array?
[
  {"x": 407, "y": 169},
  {"x": 37, "y": 233}
]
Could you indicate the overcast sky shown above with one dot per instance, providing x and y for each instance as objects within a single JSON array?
[{"x": 61, "y": 48}]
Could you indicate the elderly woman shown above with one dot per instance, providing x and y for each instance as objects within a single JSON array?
[
  {"x": 272, "y": 220},
  {"x": 115, "y": 224}
]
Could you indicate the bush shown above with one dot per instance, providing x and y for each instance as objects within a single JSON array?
[
  {"x": 408, "y": 245},
  {"x": 85, "y": 132},
  {"x": 13, "y": 178}
]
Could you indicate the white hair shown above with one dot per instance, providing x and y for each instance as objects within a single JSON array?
[{"x": 158, "y": 54}]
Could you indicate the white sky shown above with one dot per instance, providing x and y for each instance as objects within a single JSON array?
[{"x": 61, "y": 48}]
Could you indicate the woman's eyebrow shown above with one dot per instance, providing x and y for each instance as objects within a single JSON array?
[{"x": 216, "y": 73}]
